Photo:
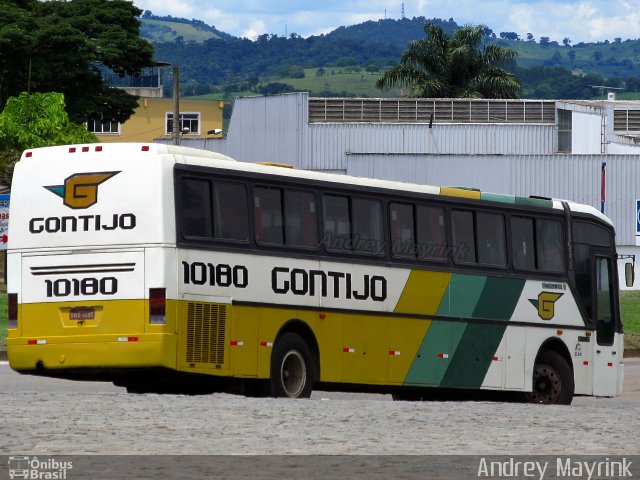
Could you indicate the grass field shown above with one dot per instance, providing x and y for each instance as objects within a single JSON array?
[
  {"x": 336, "y": 80},
  {"x": 629, "y": 306},
  {"x": 630, "y": 311}
]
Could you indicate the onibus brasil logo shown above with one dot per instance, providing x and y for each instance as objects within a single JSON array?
[
  {"x": 80, "y": 190},
  {"x": 32, "y": 468}
]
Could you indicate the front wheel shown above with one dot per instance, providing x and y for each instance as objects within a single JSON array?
[
  {"x": 292, "y": 370},
  {"x": 552, "y": 380}
]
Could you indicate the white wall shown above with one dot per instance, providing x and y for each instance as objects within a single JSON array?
[{"x": 586, "y": 131}]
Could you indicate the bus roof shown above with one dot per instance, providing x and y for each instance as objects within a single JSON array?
[{"x": 199, "y": 157}]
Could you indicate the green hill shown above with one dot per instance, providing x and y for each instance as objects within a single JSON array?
[
  {"x": 215, "y": 62},
  {"x": 161, "y": 31}
]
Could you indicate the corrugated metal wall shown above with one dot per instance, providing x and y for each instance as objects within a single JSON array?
[
  {"x": 268, "y": 129},
  {"x": 573, "y": 177},
  {"x": 276, "y": 129},
  {"x": 330, "y": 142}
]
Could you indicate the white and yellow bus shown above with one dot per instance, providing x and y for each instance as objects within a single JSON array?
[{"x": 163, "y": 268}]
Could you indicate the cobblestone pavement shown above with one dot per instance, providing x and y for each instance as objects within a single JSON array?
[{"x": 49, "y": 416}]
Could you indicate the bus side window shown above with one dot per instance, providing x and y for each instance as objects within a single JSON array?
[
  {"x": 267, "y": 208},
  {"x": 195, "y": 208},
  {"x": 549, "y": 245},
  {"x": 490, "y": 234},
  {"x": 367, "y": 226},
  {"x": 522, "y": 243},
  {"x": 402, "y": 230},
  {"x": 300, "y": 219},
  {"x": 337, "y": 228},
  {"x": 432, "y": 244},
  {"x": 230, "y": 211},
  {"x": 464, "y": 243}
]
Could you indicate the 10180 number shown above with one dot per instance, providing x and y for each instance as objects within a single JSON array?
[{"x": 64, "y": 287}]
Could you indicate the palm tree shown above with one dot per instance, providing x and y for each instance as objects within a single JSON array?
[{"x": 457, "y": 66}]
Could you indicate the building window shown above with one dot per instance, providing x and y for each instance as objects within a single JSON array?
[
  {"x": 564, "y": 131},
  {"x": 190, "y": 120},
  {"x": 103, "y": 127}
]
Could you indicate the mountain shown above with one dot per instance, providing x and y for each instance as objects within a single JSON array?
[
  {"x": 168, "y": 29},
  {"x": 213, "y": 61},
  {"x": 397, "y": 33}
]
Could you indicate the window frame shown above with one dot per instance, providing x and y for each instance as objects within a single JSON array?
[
  {"x": 168, "y": 117},
  {"x": 536, "y": 218},
  {"x": 102, "y": 124},
  {"x": 445, "y": 205},
  {"x": 212, "y": 182},
  {"x": 350, "y": 197},
  {"x": 285, "y": 191},
  {"x": 476, "y": 263}
]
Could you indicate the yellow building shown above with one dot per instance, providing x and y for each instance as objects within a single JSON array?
[{"x": 154, "y": 119}]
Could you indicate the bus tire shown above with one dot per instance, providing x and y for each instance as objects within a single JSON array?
[
  {"x": 552, "y": 380},
  {"x": 292, "y": 370}
]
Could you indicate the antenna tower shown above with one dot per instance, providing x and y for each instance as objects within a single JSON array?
[{"x": 402, "y": 14}]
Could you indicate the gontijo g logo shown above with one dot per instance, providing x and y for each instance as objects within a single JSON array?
[
  {"x": 80, "y": 190},
  {"x": 546, "y": 304}
]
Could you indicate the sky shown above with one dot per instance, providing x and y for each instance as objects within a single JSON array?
[{"x": 580, "y": 21}]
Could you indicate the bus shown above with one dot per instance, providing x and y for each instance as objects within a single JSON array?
[{"x": 169, "y": 269}]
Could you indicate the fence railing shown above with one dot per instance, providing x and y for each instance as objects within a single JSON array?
[{"x": 420, "y": 110}]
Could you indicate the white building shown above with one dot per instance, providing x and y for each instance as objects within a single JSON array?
[{"x": 518, "y": 147}]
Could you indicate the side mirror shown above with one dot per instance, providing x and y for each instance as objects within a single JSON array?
[{"x": 629, "y": 274}]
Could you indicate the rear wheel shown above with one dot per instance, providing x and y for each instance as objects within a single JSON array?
[
  {"x": 292, "y": 370},
  {"x": 552, "y": 380}
]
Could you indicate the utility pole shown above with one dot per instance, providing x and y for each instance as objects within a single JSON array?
[{"x": 176, "y": 107}]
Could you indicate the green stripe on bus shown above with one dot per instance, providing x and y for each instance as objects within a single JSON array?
[
  {"x": 473, "y": 355},
  {"x": 534, "y": 202},
  {"x": 499, "y": 298},
  {"x": 496, "y": 197},
  {"x": 462, "y": 296},
  {"x": 435, "y": 353}
]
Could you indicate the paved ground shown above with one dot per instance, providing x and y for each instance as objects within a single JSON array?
[{"x": 49, "y": 416}]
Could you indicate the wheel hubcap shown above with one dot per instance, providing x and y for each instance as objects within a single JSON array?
[
  {"x": 546, "y": 385},
  {"x": 293, "y": 374}
]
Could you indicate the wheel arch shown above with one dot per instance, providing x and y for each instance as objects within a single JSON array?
[
  {"x": 556, "y": 345},
  {"x": 304, "y": 331}
]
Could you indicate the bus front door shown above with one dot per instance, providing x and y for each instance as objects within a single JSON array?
[{"x": 608, "y": 359}]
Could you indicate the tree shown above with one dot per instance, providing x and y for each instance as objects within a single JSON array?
[
  {"x": 48, "y": 46},
  {"x": 632, "y": 84},
  {"x": 566, "y": 41},
  {"x": 530, "y": 37},
  {"x": 444, "y": 66},
  {"x": 37, "y": 120},
  {"x": 509, "y": 35}
]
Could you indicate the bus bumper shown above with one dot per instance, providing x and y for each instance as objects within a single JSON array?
[{"x": 92, "y": 352}]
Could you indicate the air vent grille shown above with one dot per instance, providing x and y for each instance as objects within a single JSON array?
[{"x": 206, "y": 326}]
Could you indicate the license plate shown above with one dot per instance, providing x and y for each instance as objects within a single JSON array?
[{"x": 82, "y": 314}]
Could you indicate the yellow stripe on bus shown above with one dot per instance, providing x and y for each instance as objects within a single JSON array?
[
  {"x": 423, "y": 292},
  {"x": 460, "y": 192}
]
